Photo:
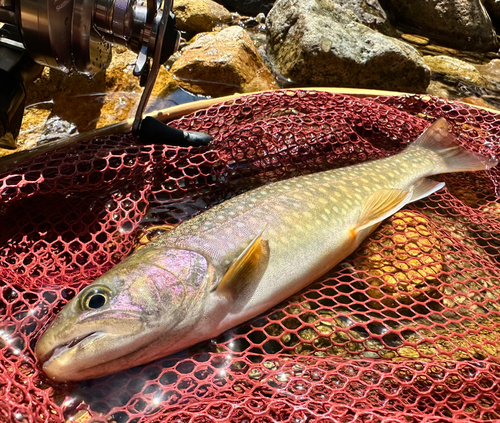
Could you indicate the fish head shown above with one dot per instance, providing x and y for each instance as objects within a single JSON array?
[{"x": 113, "y": 323}]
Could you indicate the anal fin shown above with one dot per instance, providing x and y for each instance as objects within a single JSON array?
[
  {"x": 385, "y": 202},
  {"x": 380, "y": 205},
  {"x": 425, "y": 187}
]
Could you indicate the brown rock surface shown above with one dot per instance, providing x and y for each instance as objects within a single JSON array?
[
  {"x": 491, "y": 72},
  {"x": 438, "y": 89},
  {"x": 415, "y": 39},
  {"x": 476, "y": 101},
  {"x": 222, "y": 63},
  {"x": 456, "y": 70},
  {"x": 199, "y": 15}
]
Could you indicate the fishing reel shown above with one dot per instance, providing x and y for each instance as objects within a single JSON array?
[{"x": 76, "y": 35}]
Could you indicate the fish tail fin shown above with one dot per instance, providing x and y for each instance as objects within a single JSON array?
[{"x": 441, "y": 141}]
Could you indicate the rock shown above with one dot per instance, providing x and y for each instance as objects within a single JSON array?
[
  {"x": 199, "y": 15},
  {"x": 456, "y": 69},
  {"x": 462, "y": 24},
  {"x": 415, "y": 39},
  {"x": 107, "y": 98},
  {"x": 491, "y": 72},
  {"x": 34, "y": 120},
  {"x": 493, "y": 9},
  {"x": 438, "y": 89},
  {"x": 476, "y": 101},
  {"x": 248, "y": 7},
  {"x": 436, "y": 50},
  {"x": 369, "y": 13},
  {"x": 315, "y": 43},
  {"x": 222, "y": 63}
]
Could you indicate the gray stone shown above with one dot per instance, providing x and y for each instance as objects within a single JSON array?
[
  {"x": 248, "y": 7},
  {"x": 461, "y": 24},
  {"x": 369, "y": 13},
  {"x": 317, "y": 43},
  {"x": 493, "y": 9}
]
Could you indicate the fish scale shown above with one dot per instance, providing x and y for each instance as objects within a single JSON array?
[
  {"x": 238, "y": 259},
  {"x": 321, "y": 202}
]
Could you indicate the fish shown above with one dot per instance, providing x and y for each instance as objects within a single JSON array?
[{"x": 238, "y": 259}]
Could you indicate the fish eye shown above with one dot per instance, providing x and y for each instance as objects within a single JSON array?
[{"x": 95, "y": 298}]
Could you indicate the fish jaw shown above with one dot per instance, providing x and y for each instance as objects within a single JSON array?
[
  {"x": 144, "y": 298},
  {"x": 57, "y": 362},
  {"x": 68, "y": 355},
  {"x": 78, "y": 359}
]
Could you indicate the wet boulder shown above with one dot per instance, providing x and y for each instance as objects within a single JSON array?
[
  {"x": 491, "y": 72},
  {"x": 456, "y": 70},
  {"x": 493, "y": 9},
  {"x": 197, "y": 16},
  {"x": 369, "y": 13},
  {"x": 462, "y": 24},
  {"x": 222, "y": 63},
  {"x": 319, "y": 43}
]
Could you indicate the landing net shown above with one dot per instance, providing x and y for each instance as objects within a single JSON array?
[{"x": 407, "y": 329}]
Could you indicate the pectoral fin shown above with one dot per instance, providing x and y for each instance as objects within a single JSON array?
[
  {"x": 247, "y": 268},
  {"x": 379, "y": 206}
]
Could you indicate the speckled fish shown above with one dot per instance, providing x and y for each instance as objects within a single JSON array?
[{"x": 238, "y": 259}]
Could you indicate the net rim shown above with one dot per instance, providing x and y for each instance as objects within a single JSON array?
[{"x": 10, "y": 161}]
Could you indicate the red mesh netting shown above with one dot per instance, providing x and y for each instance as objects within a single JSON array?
[{"x": 405, "y": 329}]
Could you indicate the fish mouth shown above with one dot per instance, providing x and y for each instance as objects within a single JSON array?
[{"x": 66, "y": 346}]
